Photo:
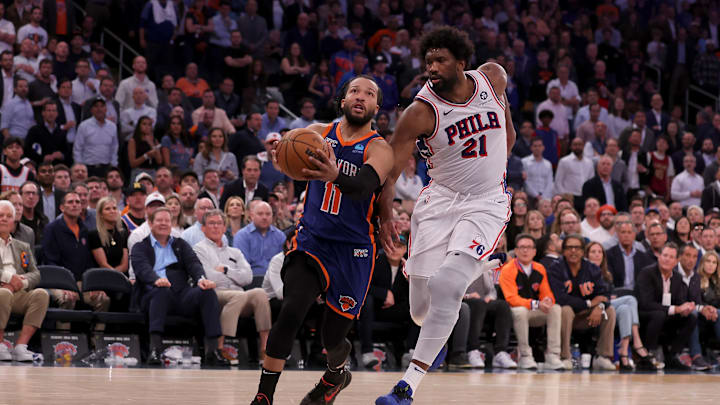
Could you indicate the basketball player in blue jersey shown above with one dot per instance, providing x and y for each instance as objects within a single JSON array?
[
  {"x": 333, "y": 250},
  {"x": 461, "y": 124}
]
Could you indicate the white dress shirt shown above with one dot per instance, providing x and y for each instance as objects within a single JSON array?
[
  {"x": 569, "y": 91},
  {"x": 572, "y": 173},
  {"x": 683, "y": 184},
  {"x": 239, "y": 273},
  {"x": 126, "y": 87},
  {"x": 130, "y": 117},
  {"x": 96, "y": 143},
  {"x": 81, "y": 92},
  {"x": 8, "y": 87},
  {"x": 539, "y": 180}
]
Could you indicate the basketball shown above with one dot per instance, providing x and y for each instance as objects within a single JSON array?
[{"x": 295, "y": 148}]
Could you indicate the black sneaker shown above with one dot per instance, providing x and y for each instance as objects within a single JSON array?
[
  {"x": 324, "y": 392},
  {"x": 674, "y": 363},
  {"x": 459, "y": 360},
  {"x": 260, "y": 399},
  {"x": 700, "y": 364}
]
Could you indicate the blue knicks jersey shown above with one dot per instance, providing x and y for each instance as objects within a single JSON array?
[{"x": 330, "y": 215}]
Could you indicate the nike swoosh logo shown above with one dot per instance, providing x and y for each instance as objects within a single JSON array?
[
  {"x": 330, "y": 395},
  {"x": 448, "y": 112}
]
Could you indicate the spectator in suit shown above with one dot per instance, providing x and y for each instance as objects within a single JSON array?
[
  {"x": 387, "y": 301},
  {"x": 248, "y": 186},
  {"x": 657, "y": 119},
  {"x": 163, "y": 264},
  {"x": 47, "y": 142},
  {"x": 211, "y": 187},
  {"x": 665, "y": 306},
  {"x": 65, "y": 244},
  {"x": 259, "y": 241},
  {"x": 624, "y": 260},
  {"x": 579, "y": 288},
  {"x": 68, "y": 112},
  {"x": 626, "y": 311},
  {"x": 686, "y": 268},
  {"x": 229, "y": 101},
  {"x": 636, "y": 163},
  {"x": 167, "y": 104},
  {"x": 603, "y": 187},
  {"x": 246, "y": 141},
  {"x": 18, "y": 294},
  {"x": 50, "y": 196},
  {"x": 711, "y": 194},
  {"x": 711, "y": 169},
  {"x": 525, "y": 286},
  {"x": 227, "y": 267}
]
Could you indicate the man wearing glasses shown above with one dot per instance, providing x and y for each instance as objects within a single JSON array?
[
  {"x": 525, "y": 286},
  {"x": 579, "y": 288}
]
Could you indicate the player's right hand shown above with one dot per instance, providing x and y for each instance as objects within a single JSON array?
[{"x": 388, "y": 235}]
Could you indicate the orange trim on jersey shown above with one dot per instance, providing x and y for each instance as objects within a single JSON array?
[
  {"x": 327, "y": 130},
  {"x": 325, "y": 273},
  {"x": 339, "y": 312},
  {"x": 368, "y": 147},
  {"x": 344, "y": 143},
  {"x": 450, "y": 103},
  {"x": 492, "y": 89},
  {"x": 371, "y": 227}
]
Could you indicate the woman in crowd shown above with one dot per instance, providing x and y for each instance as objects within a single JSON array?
[
  {"x": 626, "y": 310},
  {"x": 673, "y": 135},
  {"x": 321, "y": 86},
  {"x": 235, "y": 212},
  {"x": 176, "y": 147},
  {"x": 295, "y": 69},
  {"x": 709, "y": 270},
  {"x": 402, "y": 220},
  {"x": 517, "y": 221},
  {"x": 681, "y": 233},
  {"x": 619, "y": 118},
  {"x": 108, "y": 242},
  {"x": 178, "y": 219},
  {"x": 534, "y": 224},
  {"x": 143, "y": 149},
  {"x": 215, "y": 156}
]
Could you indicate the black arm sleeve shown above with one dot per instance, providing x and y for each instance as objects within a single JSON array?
[{"x": 360, "y": 186}]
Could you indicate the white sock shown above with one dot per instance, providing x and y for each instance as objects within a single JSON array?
[
  {"x": 413, "y": 376},
  {"x": 18, "y": 346}
]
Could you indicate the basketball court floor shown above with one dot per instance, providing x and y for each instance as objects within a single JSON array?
[{"x": 29, "y": 385}]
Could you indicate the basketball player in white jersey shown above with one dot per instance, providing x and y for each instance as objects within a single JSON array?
[{"x": 461, "y": 126}]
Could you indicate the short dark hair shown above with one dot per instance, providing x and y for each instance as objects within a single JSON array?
[
  {"x": 671, "y": 245},
  {"x": 249, "y": 158},
  {"x": 95, "y": 179},
  {"x": 536, "y": 139},
  {"x": 347, "y": 84},
  {"x": 575, "y": 236},
  {"x": 687, "y": 246},
  {"x": 524, "y": 236},
  {"x": 61, "y": 167},
  {"x": 45, "y": 62},
  {"x": 12, "y": 140},
  {"x": 272, "y": 100},
  {"x": 450, "y": 38},
  {"x": 65, "y": 196},
  {"x": 546, "y": 113}
]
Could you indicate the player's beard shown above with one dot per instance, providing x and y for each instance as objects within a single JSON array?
[
  {"x": 445, "y": 84},
  {"x": 355, "y": 120}
]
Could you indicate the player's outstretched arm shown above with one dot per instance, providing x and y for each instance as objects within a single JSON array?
[
  {"x": 418, "y": 119},
  {"x": 510, "y": 127}
]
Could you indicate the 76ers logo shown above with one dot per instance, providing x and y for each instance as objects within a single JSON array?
[
  {"x": 479, "y": 249},
  {"x": 347, "y": 303}
]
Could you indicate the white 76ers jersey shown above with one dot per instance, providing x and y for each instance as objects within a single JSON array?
[{"x": 467, "y": 151}]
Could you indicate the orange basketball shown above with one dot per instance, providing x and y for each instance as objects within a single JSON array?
[{"x": 295, "y": 148}]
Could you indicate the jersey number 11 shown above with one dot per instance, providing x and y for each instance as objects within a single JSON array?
[{"x": 331, "y": 199}]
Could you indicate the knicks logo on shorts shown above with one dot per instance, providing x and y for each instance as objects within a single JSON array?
[
  {"x": 479, "y": 249},
  {"x": 347, "y": 303},
  {"x": 361, "y": 253}
]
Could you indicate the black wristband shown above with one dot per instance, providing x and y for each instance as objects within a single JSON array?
[
  {"x": 225, "y": 269},
  {"x": 360, "y": 186}
]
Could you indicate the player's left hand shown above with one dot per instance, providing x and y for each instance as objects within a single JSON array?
[{"x": 327, "y": 169}]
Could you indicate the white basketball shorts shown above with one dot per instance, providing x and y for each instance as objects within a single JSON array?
[{"x": 444, "y": 221}]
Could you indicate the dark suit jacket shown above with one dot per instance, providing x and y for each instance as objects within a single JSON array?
[
  {"x": 62, "y": 119},
  {"x": 672, "y": 56},
  {"x": 40, "y": 142},
  {"x": 59, "y": 194},
  {"x": 642, "y": 160},
  {"x": 694, "y": 290},
  {"x": 677, "y": 159},
  {"x": 381, "y": 283},
  {"x": 649, "y": 290},
  {"x": 616, "y": 264},
  {"x": 710, "y": 197},
  {"x": 243, "y": 143},
  {"x": 61, "y": 248},
  {"x": 652, "y": 122},
  {"x": 187, "y": 267},
  {"x": 594, "y": 188},
  {"x": 237, "y": 188}
]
